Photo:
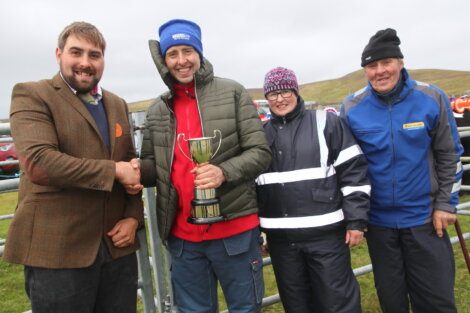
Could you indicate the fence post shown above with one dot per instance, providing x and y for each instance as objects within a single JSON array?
[
  {"x": 160, "y": 259},
  {"x": 145, "y": 273}
]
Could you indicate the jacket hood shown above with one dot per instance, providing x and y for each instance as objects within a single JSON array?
[{"x": 202, "y": 76}]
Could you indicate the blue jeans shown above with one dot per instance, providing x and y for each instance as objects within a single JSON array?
[
  {"x": 107, "y": 286},
  {"x": 235, "y": 262}
]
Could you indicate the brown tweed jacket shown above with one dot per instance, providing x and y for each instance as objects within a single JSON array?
[{"x": 68, "y": 198}]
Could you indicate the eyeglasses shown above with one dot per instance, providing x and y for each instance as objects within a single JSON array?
[{"x": 284, "y": 93}]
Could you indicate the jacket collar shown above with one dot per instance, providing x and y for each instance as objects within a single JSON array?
[
  {"x": 399, "y": 92},
  {"x": 96, "y": 92},
  {"x": 64, "y": 91},
  {"x": 298, "y": 111}
]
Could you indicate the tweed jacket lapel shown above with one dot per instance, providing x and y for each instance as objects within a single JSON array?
[
  {"x": 71, "y": 99},
  {"x": 109, "y": 106}
]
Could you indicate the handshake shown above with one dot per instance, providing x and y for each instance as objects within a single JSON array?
[
  {"x": 128, "y": 174},
  {"x": 205, "y": 176}
]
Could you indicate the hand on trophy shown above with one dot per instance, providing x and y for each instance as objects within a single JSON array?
[
  {"x": 205, "y": 207},
  {"x": 128, "y": 174},
  {"x": 208, "y": 176}
]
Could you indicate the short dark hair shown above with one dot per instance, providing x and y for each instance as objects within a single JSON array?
[{"x": 83, "y": 30}]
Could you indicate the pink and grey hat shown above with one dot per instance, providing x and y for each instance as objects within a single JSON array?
[{"x": 280, "y": 78}]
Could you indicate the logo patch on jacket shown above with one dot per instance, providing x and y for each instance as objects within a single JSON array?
[{"x": 414, "y": 125}]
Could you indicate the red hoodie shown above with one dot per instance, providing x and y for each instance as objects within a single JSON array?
[{"x": 188, "y": 122}]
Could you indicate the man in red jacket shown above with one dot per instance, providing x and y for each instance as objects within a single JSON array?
[{"x": 197, "y": 105}]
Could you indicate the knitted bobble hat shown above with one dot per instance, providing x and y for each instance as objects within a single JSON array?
[{"x": 280, "y": 78}]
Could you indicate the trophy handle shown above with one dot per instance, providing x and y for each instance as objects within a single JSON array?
[
  {"x": 220, "y": 141},
  {"x": 182, "y": 151}
]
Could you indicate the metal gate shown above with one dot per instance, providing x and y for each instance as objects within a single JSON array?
[{"x": 154, "y": 262}]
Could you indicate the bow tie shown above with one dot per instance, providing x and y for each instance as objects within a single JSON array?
[{"x": 87, "y": 98}]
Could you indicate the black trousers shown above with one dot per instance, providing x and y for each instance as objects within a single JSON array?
[
  {"x": 107, "y": 286},
  {"x": 315, "y": 276},
  {"x": 412, "y": 265}
]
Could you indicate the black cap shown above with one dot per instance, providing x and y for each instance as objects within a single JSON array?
[{"x": 384, "y": 44}]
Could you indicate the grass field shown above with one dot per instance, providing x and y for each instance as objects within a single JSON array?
[{"x": 14, "y": 300}]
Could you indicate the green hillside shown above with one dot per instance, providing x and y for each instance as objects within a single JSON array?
[
  {"x": 333, "y": 91},
  {"x": 140, "y": 105}
]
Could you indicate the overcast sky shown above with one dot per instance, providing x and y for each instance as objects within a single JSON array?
[{"x": 318, "y": 39}]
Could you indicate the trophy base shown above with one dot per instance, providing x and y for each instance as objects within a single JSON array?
[{"x": 205, "y": 211}]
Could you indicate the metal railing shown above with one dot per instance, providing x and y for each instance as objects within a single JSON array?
[{"x": 155, "y": 287}]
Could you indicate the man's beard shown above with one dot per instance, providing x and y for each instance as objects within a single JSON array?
[
  {"x": 78, "y": 86},
  {"x": 75, "y": 82}
]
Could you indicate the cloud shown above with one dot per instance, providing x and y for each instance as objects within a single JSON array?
[{"x": 317, "y": 39}]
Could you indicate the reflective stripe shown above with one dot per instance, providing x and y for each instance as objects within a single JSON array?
[
  {"x": 294, "y": 176},
  {"x": 321, "y": 122},
  {"x": 348, "y": 154},
  {"x": 456, "y": 186},
  {"x": 302, "y": 222},
  {"x": 350, "y": 189}
]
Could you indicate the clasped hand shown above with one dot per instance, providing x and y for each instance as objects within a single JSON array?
[
  {"x": 128, "y": 174},
  {"x": 123, "y": 233}
]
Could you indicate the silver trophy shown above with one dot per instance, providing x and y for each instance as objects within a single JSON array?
[{"x": 205, "y": 208}]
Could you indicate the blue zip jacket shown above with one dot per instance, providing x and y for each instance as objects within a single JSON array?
[{"x": 413, "y": 150}]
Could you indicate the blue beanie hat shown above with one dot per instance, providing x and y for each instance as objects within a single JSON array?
[{"x": 180, "y": 32}]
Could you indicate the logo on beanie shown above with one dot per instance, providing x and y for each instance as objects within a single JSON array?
[{"x": 180, "y": 36}]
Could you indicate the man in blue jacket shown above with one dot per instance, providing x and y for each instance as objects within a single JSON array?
[{"x": 407, "y": 132}]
